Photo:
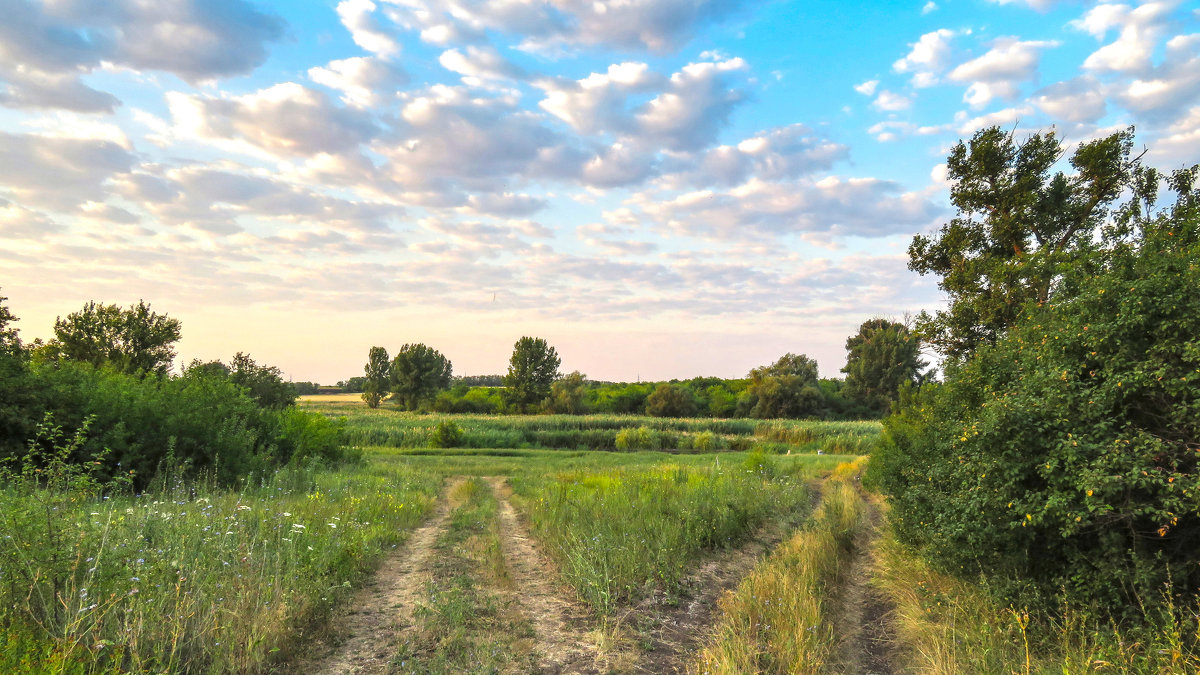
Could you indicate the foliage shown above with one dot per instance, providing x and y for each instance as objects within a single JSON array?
[
  {"x": 354, "y": 385},
  {"x": 263, "y": 383},
  {"x": 418, "y": 373},
  {"x": 1018, "y": 228},
  {"x": 532, "y": 370},
  {"x": 1064, "y": 457},
  {"x": 446, "y": 434},
  {"x": 669, "y": 400},
  {"x": 567, "y": 395},
  {"x": 10, "y": 342},
  {"x": 786, "y": 388},
  {"x": 638, "y": 438},
  {"x": 883, "y": 356},
  {"x": 378, "y": 376},
  {"x": 133, "y": 340},
  {"x": 18, "y": 391},
  {"x": 305, "y": 388}
]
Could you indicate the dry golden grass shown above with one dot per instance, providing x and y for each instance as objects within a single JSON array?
[{"x": 333, "y": 398}]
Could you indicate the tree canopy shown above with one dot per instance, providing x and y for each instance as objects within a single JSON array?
[
  {"x": 132, "y": 340},
  {"x": 532, "y": 370},
  {"x": 786, "y": 388},
  {"x": 1018, "y": 228},
  {"x": 418, "y": 373},
  {"x": 883, "y": 355},
  {"x": 378, "y": 376}
]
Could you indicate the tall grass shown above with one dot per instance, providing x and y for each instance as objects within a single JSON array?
[
  {"x": 617, "y": 534},
  {"x": 778, "y": 620},
  {"x": 190, "y": 578},
  {"x": 948, "y": 626}
]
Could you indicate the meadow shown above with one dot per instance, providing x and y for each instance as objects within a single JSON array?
[{"x": 759, "y": 549}]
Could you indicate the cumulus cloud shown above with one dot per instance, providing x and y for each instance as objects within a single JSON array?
[
  {"x": 286, "y": 118},
  {"x": 834, "y": 206},
  {"x": 867, "y": 88},
  {"x": 1080, "y": 99},
  {"x": 46, "y": 47},
  {"x": 1139, "y": 31},
  {"x": 890, "y": 101},
  {"x": 59, "y": 172},
  {"x": 1169, "y": 86},
  {"x": 656, "y": 25},
  {"x": 927, "y": 58},
  {"x": 1000, "y": 71},
  {"x": 364, "y": 81},
  {"x": 479, "y": 65},
  {"x": 358, "y": 16},
  {"x": 774, "y": 154}
]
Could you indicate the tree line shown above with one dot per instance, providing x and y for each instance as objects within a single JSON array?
[
  {"x": 883, "y": 356},
  {"x": 102, "y": 388}
]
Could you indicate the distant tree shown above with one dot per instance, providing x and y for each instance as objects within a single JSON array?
[
  {"x": 671, "y": 400},
  {"x": 265, "y": 384},
  {"x": 10, "y": 343},
  {"x": 418, "y": 373},
  {"x": 1018, "y": 227},
  {"x": 481, "y": 380},
  {"x": 786, "y": 388},
  {"x": 306, "y": 388},
  {"x": 532, "y": 369},
  {"x": 567, "y": 395},
  {"x": 379, "y": 377},
  {"x": 883, "y": 355},
  {"x": 354, "y": 385},
  {"x": 133, "y": 340}
]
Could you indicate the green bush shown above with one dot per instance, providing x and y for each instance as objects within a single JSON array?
[
  {"x": 1065, "y": 457},
  {"x": 640, "y": 438},
  {"x": 705, "y": 441},
  {"x": 446, "y": 434}
]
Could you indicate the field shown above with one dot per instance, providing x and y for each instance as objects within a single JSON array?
[{"x": 530, "y": 544}]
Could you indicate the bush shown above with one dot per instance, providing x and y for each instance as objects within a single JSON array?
[
  {"x": 1065, "y": 457},
  {"x": 641, "y": 438},
  {"x": 705, "y": 441},
  {"x": 446, "y": 434}
]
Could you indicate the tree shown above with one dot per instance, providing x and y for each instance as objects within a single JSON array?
[
  {"x": 17, "y": 390},
  {"x": 133, "y": 340},
  {"x": 566, "y": 395},
  {"x": 10, "y": 343},
  {"x": 532, "y": 369},
  {"x": 671, "y": 400},
  {"x": 378, "y": 374},
  {"x": 883, "y": 355},
  {"x": 265, "y": 384},
  {"x": 418, "y": 373},
  {"x": 1018, "y": 228},
  {"x": 786, "y": 388}
]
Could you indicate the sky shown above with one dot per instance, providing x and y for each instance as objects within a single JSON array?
[{"x": 659, "y": 188}]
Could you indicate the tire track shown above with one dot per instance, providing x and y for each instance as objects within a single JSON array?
[
  {"x": 560, "y": 625},
  {"x": 381, "y": 611},
  {"x": 863, "y": 620}
]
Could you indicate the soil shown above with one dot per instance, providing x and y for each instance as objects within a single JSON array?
[
  {"x": 375, "y": 620},
  {"x": 561, "y": 626},
  {"x": 862, "y": 618}
]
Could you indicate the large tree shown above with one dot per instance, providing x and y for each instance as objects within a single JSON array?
[
  {"x": 671, "y": 400},
  {"x": 1019, "y": 225},
  {"x": 883, "y": 355},
  {"x": 133, "y": 340},
  {"x": 418, "y": 373},
  {"x": 567, "y": 394},
  {"x": 786, "y": 388},
  {"x": 378, "y": 376},
  {"x": 532, "y": 370}
]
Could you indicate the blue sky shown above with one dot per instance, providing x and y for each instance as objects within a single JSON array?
[{"x": 660, "y": 188}]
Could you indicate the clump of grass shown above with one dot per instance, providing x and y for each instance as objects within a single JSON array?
[
  {"x": 946, "y": 626},
  {"x": 777, "y": 620},
  {"x": 617, "y": 534},
  {"x": 189, "y": 578}
]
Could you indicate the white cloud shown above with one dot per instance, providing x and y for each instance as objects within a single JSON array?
[
  {"x": 287, "y": 119},
  {"x": 358, "y": 16},
  {"x": 59, "y": 172},
  {"x": 867, "y": 88},
  {"x": 1081, "y": 99},
  {"x": 891, "y": 101},
  {"x": 1006, "y": 117},
  {"x": 1139, "y": 30},
  {"x": 1000, "y": 71},
  {"x": 929, "y": 7},
  {"x": 480, "y": 64},
  {"x": 927, "y": 58},
  {"x": 363, "y": 80},
  {"x": 1171, "y": 85}
]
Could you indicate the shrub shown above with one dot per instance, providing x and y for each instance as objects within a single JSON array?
[
  {"x": 1065, "y": 456},
  {"x": 705, "y": 441},
  {"x": 641, "y": 438},
  {"x": 446, "y": 434}
]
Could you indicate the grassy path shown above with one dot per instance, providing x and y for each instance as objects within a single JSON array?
[
  {"x": 862, "y": 616},
  {"x": 383, "y": 609},
  {"x": 563, "y": 643}
]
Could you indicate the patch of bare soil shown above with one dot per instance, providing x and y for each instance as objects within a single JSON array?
[
  {"x": 862, "y": 616},
  {"x": 561, "y": 626},
  {"x": 379, "y": 613}
]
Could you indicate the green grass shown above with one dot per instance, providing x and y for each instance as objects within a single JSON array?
[
  {"x": 388, "y": 426},
  {"x": 193, "y": 579},
  {"x": 463, "y": 626},
  {"x": 620, "y": 533}
]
